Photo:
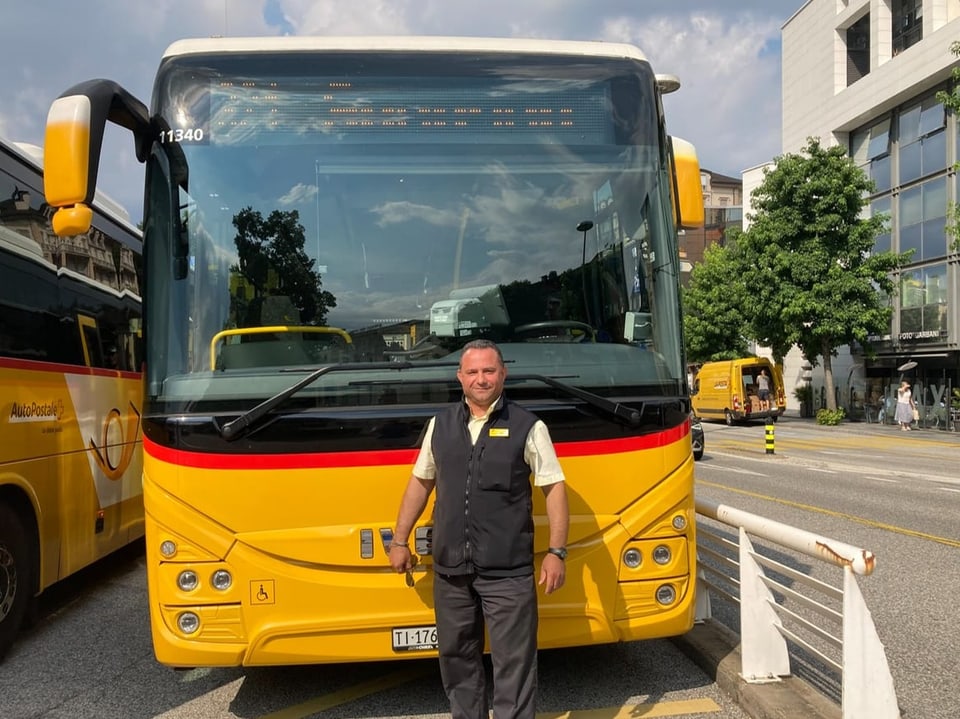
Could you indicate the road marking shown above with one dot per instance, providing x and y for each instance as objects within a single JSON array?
[
  {"x": 357, "y": 691},
  {"x": 403, "y": 676},
  {"x": 837, "y": 442},
  {"x": 856, "y": 464},
  {"x": 731, "y": 469},
  {"x": 822, "y": 471},
  {"x": 883, "y": 479},
  {"x": 840, "y": 515},
  {"x": 950, "y": 489},
  {"x": 658, "y": 709}
]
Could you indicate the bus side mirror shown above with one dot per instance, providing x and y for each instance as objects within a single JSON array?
[{"x": 686, "y": 178}]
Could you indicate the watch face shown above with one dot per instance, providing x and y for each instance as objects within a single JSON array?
[{"x": 562, "y": 553}]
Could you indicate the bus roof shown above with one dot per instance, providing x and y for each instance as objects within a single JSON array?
[
  {"x": 402, "y": 43},
  {"x": 33, "y": 155}
]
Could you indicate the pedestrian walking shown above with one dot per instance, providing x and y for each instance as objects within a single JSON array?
[{"x": 479, "y": 455}]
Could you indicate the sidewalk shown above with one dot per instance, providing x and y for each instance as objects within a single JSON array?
[
  {"x": 792, "y": 417},
  {"x": 716, "y": 650}
]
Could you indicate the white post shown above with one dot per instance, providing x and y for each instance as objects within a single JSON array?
[
  {"x": 702, "y": 607},
  {"x": 763, "y": 650},
  {"x": 868, "y": 689}
]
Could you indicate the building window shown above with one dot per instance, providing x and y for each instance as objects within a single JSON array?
[
  {"x": 858, "y": 49},
  {"x": 907, "y": 24},
  {"x": 923, "y": 140},
  {"x": 923, "y": 303},
  {"x": 922, "y": 220},
  {"x": 881, "y": 206},
  {"x": 870, "y": 150}
]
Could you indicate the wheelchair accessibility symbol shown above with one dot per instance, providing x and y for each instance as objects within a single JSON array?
[{"x": 261, "y": 591}]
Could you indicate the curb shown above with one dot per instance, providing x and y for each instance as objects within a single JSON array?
[
  {"x": 716, "y": 650},
  {"x": 871, "y": 428}
]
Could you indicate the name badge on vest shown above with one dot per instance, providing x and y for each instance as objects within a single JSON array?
[{"x": 499, "y": 432}]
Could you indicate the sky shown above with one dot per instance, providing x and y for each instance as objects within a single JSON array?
[{"x": 725, "y": 52}]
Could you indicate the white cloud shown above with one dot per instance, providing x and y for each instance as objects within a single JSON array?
[
  {"x": 392, "y": 213},
  {"x": 728, "y": 105},
  {"x": 357, "y": 17},
  {"x": 729, "y": 102},
  {"x": 298, "y": 194}
]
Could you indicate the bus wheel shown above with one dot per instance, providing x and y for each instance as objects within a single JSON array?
[
  {"x": 15, "y": 574},
  {"x": 727, "y": 415}
]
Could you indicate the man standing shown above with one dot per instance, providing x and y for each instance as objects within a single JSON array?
[
  {"x": 763, "y": 389},
  {"x": 479, "y": 455}
]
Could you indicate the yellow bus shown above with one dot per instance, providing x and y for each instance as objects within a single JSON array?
[
  {"x": 327, "y": 222},
  {"x": 70, "y": 390}
]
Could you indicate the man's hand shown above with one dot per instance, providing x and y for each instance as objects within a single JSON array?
[
  {"x": 552, "y": 573},
  {"x": 401, "y": 559}
]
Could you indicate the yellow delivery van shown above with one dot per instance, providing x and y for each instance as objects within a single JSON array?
[{"x": 733, "y": 390}]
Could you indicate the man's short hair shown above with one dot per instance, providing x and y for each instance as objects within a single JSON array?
[{"x": 482, "y": 345}]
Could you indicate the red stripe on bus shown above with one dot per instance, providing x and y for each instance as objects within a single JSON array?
[
  {"x": 591, "y": 448},
  {"x": 387, "y": 457},
  {"x": 60, "y": 368}
]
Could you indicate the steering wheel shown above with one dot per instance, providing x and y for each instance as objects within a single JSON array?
[{"x": 588, "y": 332}]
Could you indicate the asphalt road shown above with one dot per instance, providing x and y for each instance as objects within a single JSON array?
[
  {"x": 894, "y": 493},
  {"x": 89, "y": 657},
  {"x": 875, "y": 487}
]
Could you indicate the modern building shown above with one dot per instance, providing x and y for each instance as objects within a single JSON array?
[
  {"x": 723, "y": 209},
  {"x": 865, "y": 74}
]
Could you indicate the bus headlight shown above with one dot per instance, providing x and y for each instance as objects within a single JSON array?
[
  {"x": 632, "y": 558},
  {"x": 221, "y": 580},
  {"x": 188, "y": 622},
  {"x": 187, "y": 580},
  {"x": 168, "y": 548},
  {"x": 661, "y": 555},
  {"x": 666, "y": 594},
  {"x": 679, "y": 522}
]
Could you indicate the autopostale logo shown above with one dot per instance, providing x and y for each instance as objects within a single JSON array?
[{"x": 51, "y": 410}]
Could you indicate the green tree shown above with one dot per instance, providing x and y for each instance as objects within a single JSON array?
[
  {"x": 951, "y": 101},
  {"x": 713, "y": 321},
  {"x": 273, "y": 261},
  {"x": 807, "y": 261}
]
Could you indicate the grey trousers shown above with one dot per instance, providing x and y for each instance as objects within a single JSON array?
[{"x": 507, "y": 606}]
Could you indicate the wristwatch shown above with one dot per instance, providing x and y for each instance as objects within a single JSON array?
[{"x": 558, "y": 552}]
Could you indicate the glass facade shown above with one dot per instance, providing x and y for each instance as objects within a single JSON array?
[{"x": 910, "y": 154}]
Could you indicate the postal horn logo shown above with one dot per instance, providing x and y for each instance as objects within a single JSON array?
[{"x": 117, "y": 431}]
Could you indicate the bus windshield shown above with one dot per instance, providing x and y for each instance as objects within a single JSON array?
[{"x": 360, "y": 208}]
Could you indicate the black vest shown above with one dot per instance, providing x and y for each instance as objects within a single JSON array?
[{"x": 483, "y": 514}]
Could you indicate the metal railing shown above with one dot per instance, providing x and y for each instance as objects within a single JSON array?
[{"x": 781, "y": 604}]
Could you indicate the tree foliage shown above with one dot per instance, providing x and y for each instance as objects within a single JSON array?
[
  {"x": 713, "y": 320},
  {"x": 273, "y": 261},
  {"x": 951, "y": 100},
  {"x": 807, "y": 261}
]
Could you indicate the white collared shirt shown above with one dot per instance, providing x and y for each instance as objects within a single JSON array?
[{"x": 538, "y": 451}]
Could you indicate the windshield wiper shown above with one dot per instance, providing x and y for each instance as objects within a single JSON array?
[
  {"x": 232, "y": 429},
  {"x": 619, "y": 411}
]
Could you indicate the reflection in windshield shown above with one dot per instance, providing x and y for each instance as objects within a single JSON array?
[{"x": 350, "y": 243}]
